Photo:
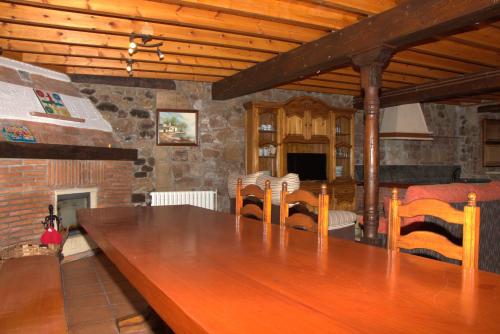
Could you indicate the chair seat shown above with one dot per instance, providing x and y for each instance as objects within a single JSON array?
[{"x": 339, "y": 219}]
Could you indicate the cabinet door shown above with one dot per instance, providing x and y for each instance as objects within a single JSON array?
[
  {"x": 295, "y": 123},
  {"x": 319, "y": 123}
]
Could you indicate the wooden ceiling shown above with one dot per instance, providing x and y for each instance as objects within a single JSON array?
[{"x": 207, "y": 40}]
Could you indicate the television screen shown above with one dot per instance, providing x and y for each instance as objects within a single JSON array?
[{"x": 309, "y": 166}]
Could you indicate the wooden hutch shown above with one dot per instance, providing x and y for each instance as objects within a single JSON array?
[{"x": 303, "y": 125}]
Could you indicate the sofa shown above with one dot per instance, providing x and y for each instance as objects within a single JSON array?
[{"x": 488, "y": 200}]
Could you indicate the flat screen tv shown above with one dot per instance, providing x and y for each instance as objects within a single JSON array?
[{"x": 309, "y": 166}]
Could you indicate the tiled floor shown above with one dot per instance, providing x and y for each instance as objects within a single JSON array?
[{"x": 96, "y": 294}]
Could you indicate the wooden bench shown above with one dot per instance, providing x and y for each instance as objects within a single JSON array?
[{"x": 31, "y": 296}]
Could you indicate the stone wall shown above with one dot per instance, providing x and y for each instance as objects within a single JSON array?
[
  {"x": 441, "y": 120},
  {"x": 470, "y": 151},
  {"x": 132, "y": 113}
]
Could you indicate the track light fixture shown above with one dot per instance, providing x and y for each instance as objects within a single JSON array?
[{"x": 145, "y": 41}]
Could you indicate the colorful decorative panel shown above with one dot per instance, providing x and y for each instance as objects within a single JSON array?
[
  {"x": 18, "y": 134},
  {"x": 52, "y": 103}
]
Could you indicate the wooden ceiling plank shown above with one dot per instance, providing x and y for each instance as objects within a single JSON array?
[
  {"x": 121, "y": 64},
  {"x": 185, "y": 16},
  {"x": 454, "y": 50},
  {"x": 486, "y": 37},
  {"x": 398, "y": 27},
  {"x": 466, "y": 85},
  {"x": 330, "y": 84},
  {"x": 425, "y": 72},
  {"x": 59, "y": 19},
  {"x": 107, "y": 53},
  {"x": 387, "y": 76},
  {"x": 296, "y": 13},
  {"x": 368, "y": 7},
  {"x": 436, "y": 62},
  {"x": 318, "y": 89},
  {"x": 19, "y": 31},
  {"x": 344, "y": 79}
]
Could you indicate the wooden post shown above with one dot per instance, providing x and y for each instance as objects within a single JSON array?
[{"x": 371, "y": 65}]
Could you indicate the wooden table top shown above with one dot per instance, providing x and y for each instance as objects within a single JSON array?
[
  {"x": 31, "y": 297},
  {"x": 208, "y": 272}
]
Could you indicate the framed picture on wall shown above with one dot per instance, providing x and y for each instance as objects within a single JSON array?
[{"x": 177, "y": 127}]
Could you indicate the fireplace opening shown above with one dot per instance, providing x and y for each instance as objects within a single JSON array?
[
  {"x": 68, "y": 201},
  {"x": 309, "y": 166},
  {"x": 67, "y": 204}
]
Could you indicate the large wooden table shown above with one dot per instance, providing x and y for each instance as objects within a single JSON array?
[{"x": 208, "y": 272}]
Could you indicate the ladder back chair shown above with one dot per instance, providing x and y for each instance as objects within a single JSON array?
[
  {"x": 253, "y": 210},
  {"x": 300, "y": 220},
  {"x": 468, "y": 253}
]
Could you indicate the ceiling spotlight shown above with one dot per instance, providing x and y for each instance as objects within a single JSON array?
[
  {"x": 159, "y": 53},
  {"x": 129, "y": 66},
  {"x": 131, "y": 51},
  {"x": 132, "y": 45},
  {"x": 131, "y": 73}
]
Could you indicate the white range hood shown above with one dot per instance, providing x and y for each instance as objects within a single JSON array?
[{"x": 406, "y": 122}]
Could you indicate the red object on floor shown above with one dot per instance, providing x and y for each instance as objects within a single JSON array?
[{"x": 51, "y": 236}]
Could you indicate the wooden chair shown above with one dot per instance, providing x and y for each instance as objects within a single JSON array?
[
  {"x": 469, "y": 218},
  {"x": 253, "y": 210},
  {"x": 300, "y": 220}
]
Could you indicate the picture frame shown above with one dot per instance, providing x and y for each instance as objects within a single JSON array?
[{"x": 176, "y": 127}]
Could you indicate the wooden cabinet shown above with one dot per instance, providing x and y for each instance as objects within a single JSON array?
[
  {"x": 303, "y": 125},
  {"x": 491, "y": 142}
]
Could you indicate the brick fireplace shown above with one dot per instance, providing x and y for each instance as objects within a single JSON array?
[
  {"x": 66, "y": 151},
  {"x": 28, "y": 186}
]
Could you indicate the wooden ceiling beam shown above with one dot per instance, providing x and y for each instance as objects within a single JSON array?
[
  {"x": 58, "y": 19},
  {"x": 489, "y": 108},
  {"x": 298, "y": 13},
  {"x": 185, "y": 16},
  {"x": 466, "y": 85},
  {"x": 95, "y": 51},
  {"x": 34, "y": 33},
  {"x": 139, "y": 74},
  {"x": 398, "y": 27}
]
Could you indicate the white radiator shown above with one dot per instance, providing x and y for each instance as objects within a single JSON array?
[{"x": 203, "y": 199}]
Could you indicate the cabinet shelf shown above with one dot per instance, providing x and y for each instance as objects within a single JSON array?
[
  {"x": 267, "y": 156},
  {"x": 266, "y": 143},
  {"x": 267, "y": 131}
]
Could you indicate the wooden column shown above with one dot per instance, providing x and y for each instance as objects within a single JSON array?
[{"x": 371, "y": 65}]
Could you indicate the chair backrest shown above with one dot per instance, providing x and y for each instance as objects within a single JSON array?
[
  {"x": 301, "y": 220},
  {"x": 468, "y": 253},
  {"x": 253, "y": 210}
]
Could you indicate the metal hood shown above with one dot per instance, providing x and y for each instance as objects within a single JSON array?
[{"x": 406, "y": 122}]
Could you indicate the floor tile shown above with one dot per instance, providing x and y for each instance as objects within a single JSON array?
[
  {"x": 95, "y": 300},
  {"x": 78, "y": 315},
  {"x": 82, "y": 290},
  {"x": 105, "y": 327}
]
